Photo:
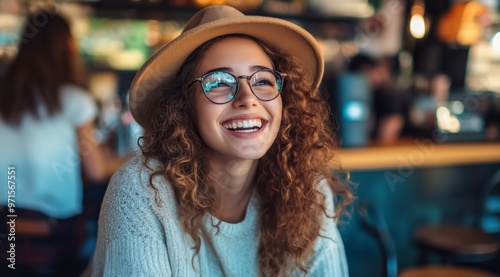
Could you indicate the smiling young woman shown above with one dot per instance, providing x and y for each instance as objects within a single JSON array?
[{"x": 235, "y": 176}]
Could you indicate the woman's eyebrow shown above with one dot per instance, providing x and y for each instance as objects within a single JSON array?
[
  {"x": 258, "y": 67},
  {"x": 252, "y": 68},
  {"x": 224, "y": 69}
]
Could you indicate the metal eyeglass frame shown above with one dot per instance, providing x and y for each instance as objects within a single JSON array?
[{"x": 237, "y": 78}]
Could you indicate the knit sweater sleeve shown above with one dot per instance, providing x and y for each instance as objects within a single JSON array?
[
  {"x": 130, "y": 238},
  {"x": 329, "y": 256}
]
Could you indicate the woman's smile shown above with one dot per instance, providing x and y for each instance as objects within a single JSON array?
[{"x": 245, "y": 127}]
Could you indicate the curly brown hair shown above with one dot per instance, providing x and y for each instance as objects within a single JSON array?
[{"x": 288, "y": 174}]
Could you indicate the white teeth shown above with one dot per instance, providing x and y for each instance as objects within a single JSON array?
[
  {"x": 247, "y": 130},
  {"x": 244, "y": 124}
]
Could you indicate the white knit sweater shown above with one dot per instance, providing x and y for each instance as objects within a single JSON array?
[{"x": 138, "y": 237}]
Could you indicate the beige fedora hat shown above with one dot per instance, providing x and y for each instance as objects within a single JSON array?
[{"x": 210, "y": 23}]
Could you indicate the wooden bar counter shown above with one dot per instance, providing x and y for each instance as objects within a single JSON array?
[
  {"x": 413, "y": 183},
  {"x": 419, "y": 153}
]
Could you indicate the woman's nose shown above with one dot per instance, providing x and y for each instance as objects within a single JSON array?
[{"x": 245, "y": 97}]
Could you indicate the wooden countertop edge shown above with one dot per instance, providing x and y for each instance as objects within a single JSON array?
[{"x": 418, "y": 154}]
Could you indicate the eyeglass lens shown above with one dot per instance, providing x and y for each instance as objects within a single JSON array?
[{"x": 221, "y": 87}]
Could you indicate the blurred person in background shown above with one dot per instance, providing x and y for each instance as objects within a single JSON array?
[
  {"x": 48, "y": 135},
  {"x": 430, "y": 93},
  {"x": 387, "y": 108}
]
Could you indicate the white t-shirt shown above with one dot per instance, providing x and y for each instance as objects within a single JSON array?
[{"x": 45, "y": 155}]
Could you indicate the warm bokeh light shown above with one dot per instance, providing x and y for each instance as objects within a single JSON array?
[
  {"x": 442, "y": 114},
  {"x": 206, "y": 3},
  {"x": 446, "y": 121},
  {"x": 495, "y": 41},
  {"x": 417, "y": 26}
]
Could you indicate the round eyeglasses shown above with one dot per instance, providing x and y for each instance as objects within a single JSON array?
[{"x": 222, "y": 87}]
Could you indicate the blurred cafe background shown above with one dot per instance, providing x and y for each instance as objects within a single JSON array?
[{"x": 415, "y": 91}]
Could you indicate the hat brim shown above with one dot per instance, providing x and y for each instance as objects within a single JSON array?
[{"x": 164, "y": 65}]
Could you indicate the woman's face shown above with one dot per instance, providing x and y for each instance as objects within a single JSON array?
[{"x": 216, "y": 122}]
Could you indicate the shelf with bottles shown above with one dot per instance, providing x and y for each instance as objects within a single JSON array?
[{"x": 302, "y": 10}]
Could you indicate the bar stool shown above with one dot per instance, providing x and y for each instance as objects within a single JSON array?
[
  {"x": 375, "y": 225},
  {"x": 43, "y": 245},
  {"x": 456, "y": 244},
  {"x": 465, "y": 244}
]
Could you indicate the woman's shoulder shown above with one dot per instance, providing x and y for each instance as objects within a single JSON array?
[
  {"x": 324, "y": 188},
  {"x": 132, "y": 208},
  {"x": 130, "y": 186},
  {"x": 74, "y": 91},
  {"x": 78, "y": 105},
  {"x": 134, "y": 177}
]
